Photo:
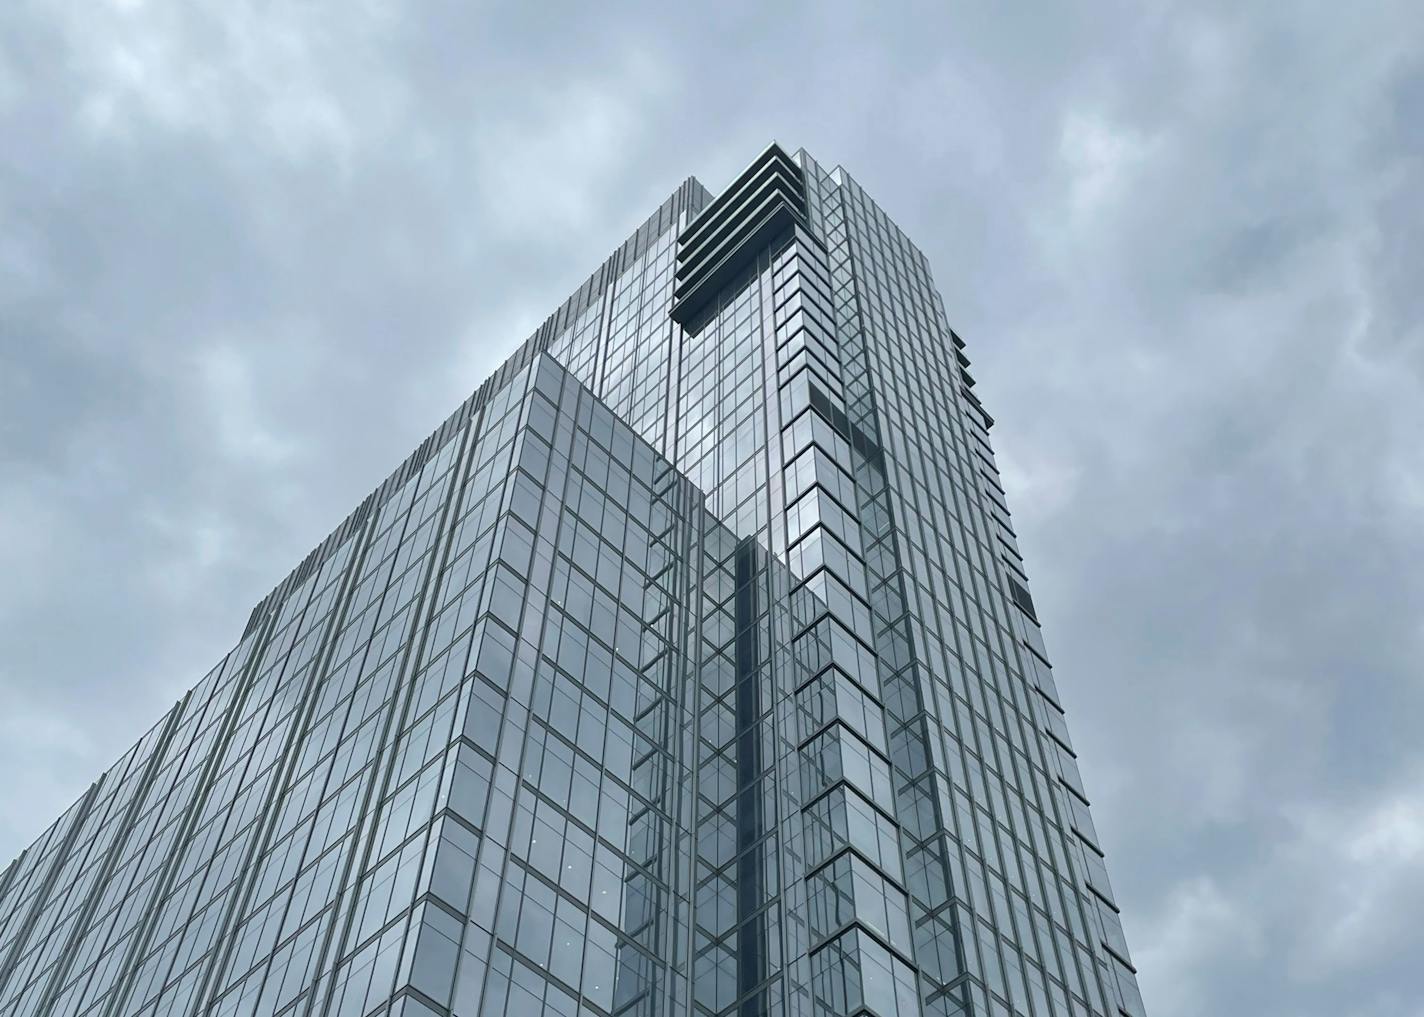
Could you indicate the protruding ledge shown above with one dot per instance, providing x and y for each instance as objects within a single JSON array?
[{"x": 765, "y": 200}]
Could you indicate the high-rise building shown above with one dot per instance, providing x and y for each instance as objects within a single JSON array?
[{"x": 688, "y": 668}]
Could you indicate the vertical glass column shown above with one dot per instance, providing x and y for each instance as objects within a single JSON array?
[{"x": 856, "y": 912}]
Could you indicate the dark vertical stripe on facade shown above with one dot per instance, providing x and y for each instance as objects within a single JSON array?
[{"x": 751, "y": 823}]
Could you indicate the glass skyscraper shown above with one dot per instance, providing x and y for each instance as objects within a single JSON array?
[{"x": 688, "y": 668}]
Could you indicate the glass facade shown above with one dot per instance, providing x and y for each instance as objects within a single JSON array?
[{"x": 689, "y": 667}]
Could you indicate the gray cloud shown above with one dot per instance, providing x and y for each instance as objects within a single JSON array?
[{"x": 249, "y": 256}]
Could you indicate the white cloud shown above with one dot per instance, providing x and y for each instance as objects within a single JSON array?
[
  {"x": 1365, "y": 865},
  {"x": 521, "y": 161},
  {"x": 231, "y": 397},
  {"x": 1041, "y": 486},
  {"x": 1102, "y": 160},
  {"x": 1199, "y": 929}
]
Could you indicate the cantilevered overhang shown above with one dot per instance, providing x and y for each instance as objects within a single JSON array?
[{"x": 768, "y": 198}]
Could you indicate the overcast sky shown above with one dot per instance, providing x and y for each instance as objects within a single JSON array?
[{"x": 252, "y": 253}]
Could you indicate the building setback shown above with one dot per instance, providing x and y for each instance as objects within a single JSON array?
[{"x": 689, "y": 667}]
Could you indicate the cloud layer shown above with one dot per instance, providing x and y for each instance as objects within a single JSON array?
[{"x": 250, "y": 255}]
